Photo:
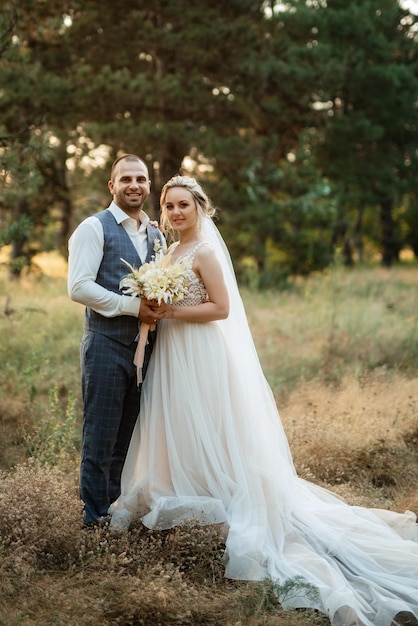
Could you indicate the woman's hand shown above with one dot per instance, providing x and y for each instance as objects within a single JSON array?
[
  {"x": 165, "y": 310},
  {"x": 150, "y": 311}
]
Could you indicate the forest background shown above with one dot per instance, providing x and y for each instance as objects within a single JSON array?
[{"x": 300, "y": 118}]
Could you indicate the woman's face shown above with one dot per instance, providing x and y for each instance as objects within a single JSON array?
[{"x": 180, "y": 208}]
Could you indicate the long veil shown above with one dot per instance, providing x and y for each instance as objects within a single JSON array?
[
  {"x": 361, "y": 561},
  {"x": 242, "y": 350}
]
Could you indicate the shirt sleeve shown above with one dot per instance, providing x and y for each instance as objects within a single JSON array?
[{"x": 85, "y": 256}]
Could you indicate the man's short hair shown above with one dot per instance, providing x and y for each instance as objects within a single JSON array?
[{"x": 125, "y": 157}]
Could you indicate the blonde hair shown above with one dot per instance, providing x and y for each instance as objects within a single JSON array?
[{"x": 204, "y": 206}]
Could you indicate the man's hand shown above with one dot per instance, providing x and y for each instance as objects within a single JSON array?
[{"x": 149, "y": 312}]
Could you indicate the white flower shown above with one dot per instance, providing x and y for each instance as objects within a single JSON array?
[
  {"x": 158, "y": 246},
  {"x": 158, "y": 280}
]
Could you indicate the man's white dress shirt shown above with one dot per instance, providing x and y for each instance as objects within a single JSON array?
[{"x": 85, "y": 256}]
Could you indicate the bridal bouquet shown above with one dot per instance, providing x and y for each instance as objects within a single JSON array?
[{"x": 159, "y": 280}]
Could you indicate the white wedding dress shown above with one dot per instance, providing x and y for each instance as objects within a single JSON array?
[{"x": 209, "y": 446}]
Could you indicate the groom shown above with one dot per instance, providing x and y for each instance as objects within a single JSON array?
[{"x": 109, "y": 387}]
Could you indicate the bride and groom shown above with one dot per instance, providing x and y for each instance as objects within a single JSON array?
[{"x": 209, "y": 446}]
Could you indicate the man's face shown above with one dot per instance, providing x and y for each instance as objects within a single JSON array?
[{"x": 130, "y": 186}]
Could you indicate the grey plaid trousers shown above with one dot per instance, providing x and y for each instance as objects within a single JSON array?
[{"x": 111, "y": 406}]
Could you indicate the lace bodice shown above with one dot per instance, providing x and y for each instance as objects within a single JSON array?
[{"x": 196, "y": 291}]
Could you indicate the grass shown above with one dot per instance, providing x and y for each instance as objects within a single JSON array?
[{"x": 340, "y": 351}]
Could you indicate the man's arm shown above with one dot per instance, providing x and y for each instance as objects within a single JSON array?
[{"x": 85, "y": 256}]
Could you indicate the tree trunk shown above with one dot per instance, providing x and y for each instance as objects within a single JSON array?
[
  {"x": 387, "y": 224},
  {"x": 63, "y": 195},
  {"x": 358, "y": 232},
  {"x": 18, "y": 258}
]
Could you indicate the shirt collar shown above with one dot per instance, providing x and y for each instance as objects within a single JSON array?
[{"x": 120, "y": 216}]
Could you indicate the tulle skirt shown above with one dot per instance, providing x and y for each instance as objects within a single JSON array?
[{"x": 209, "y": 446}]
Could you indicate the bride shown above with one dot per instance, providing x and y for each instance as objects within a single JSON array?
[{"x": 209, "y": 446}]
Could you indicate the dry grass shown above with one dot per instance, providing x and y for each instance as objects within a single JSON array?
[
  {"x": 360, "y": 439},
  {"x": 341, "y": 353},
  {"x": 54, "y": 572}
]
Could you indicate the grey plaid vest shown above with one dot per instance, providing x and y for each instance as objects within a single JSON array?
[{"x": 117, "y": 245}]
